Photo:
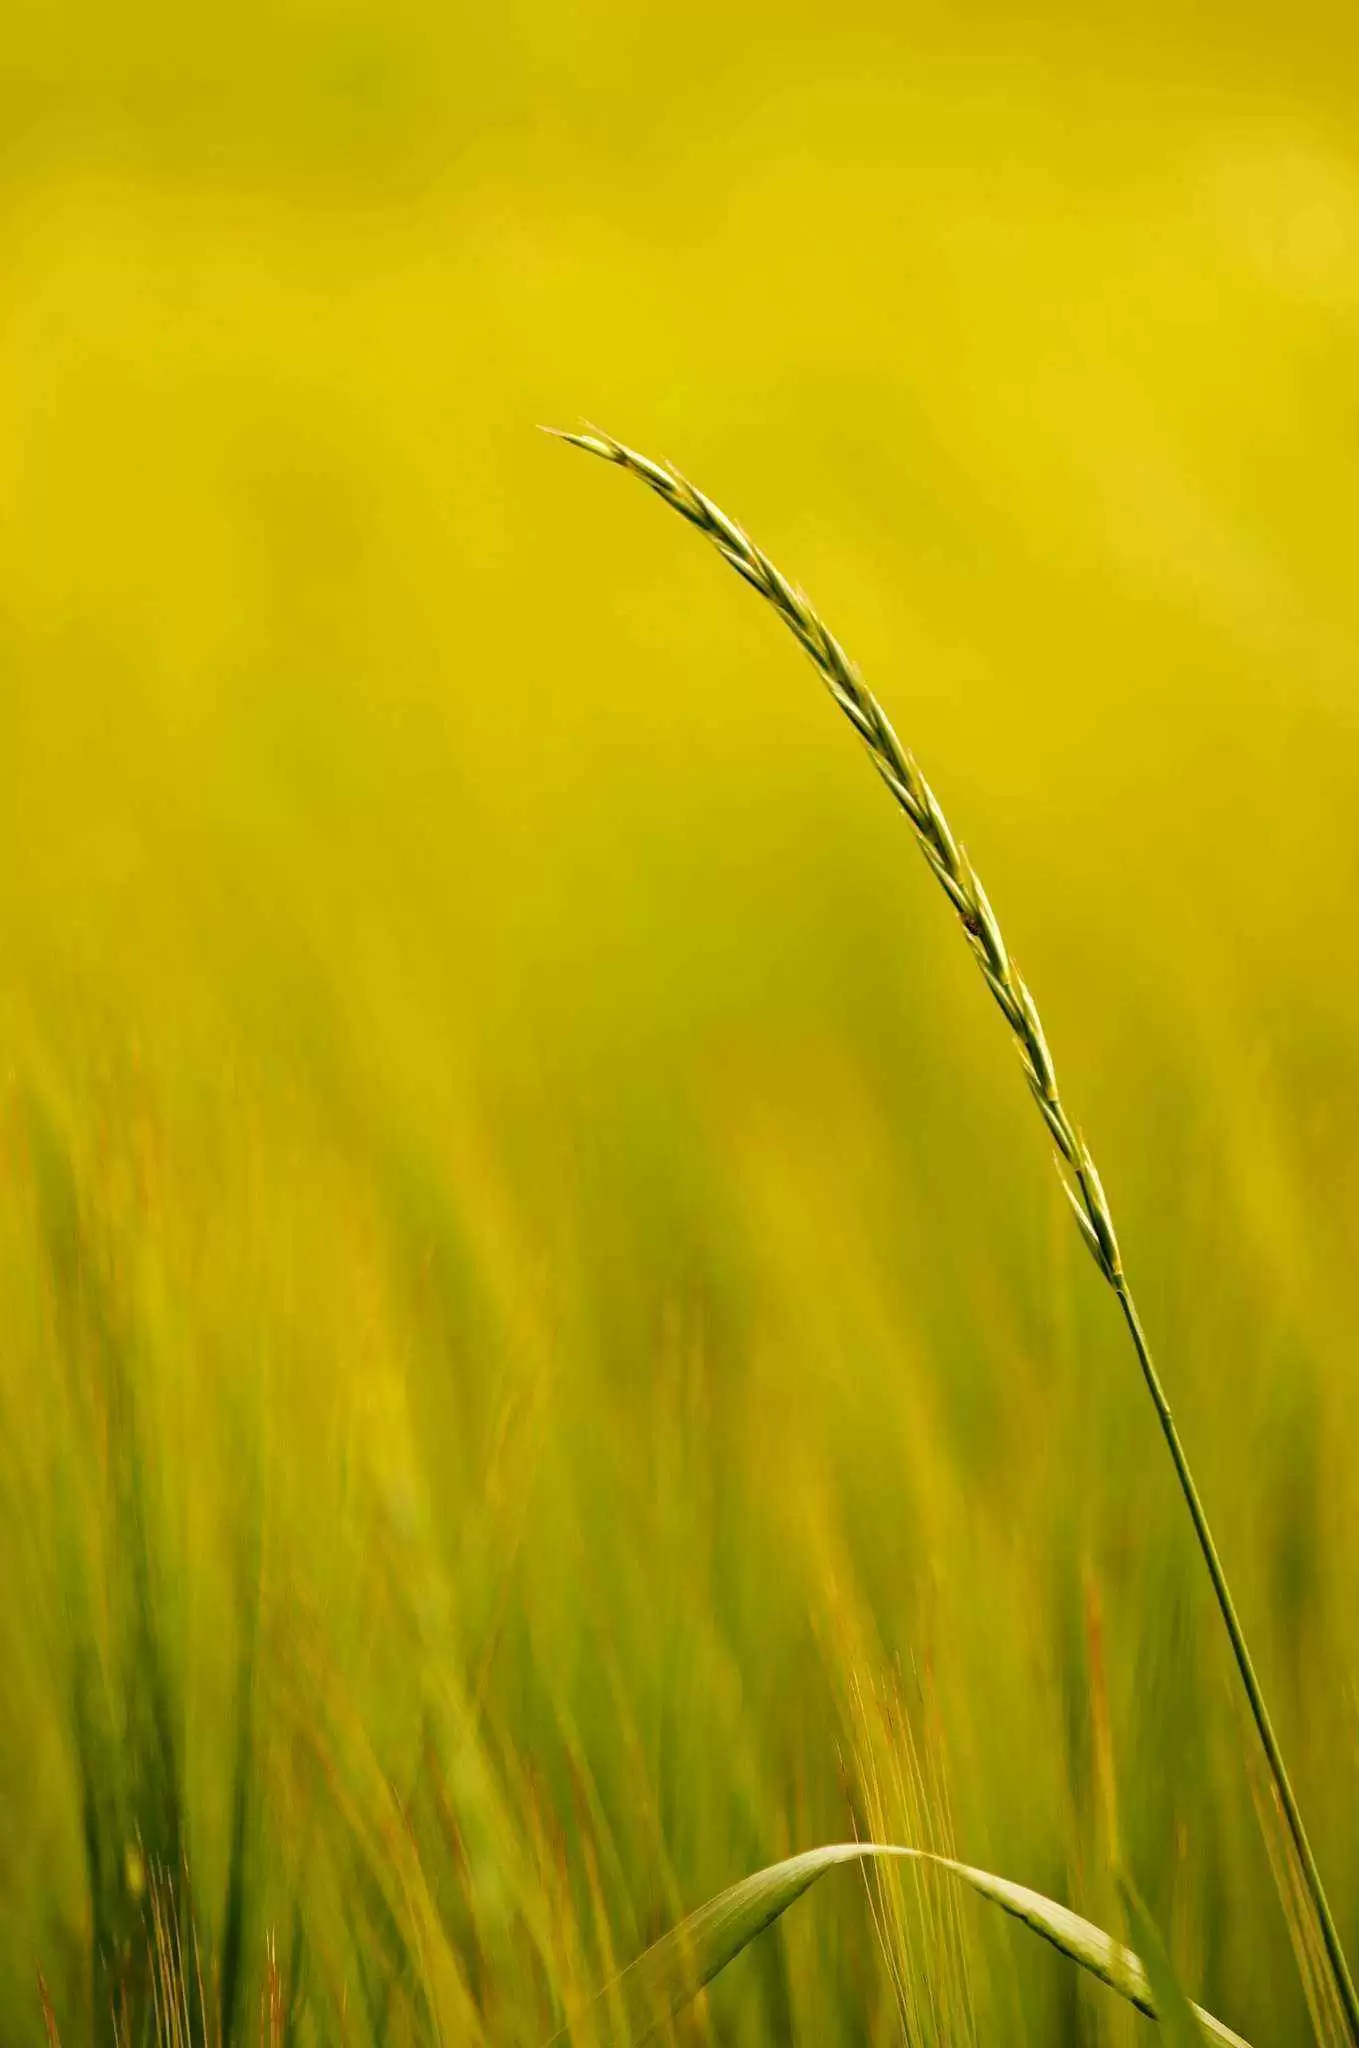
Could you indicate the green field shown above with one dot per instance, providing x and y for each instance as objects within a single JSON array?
[{"x": 543, "y": 1362}]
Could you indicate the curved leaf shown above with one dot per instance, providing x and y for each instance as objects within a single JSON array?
[{"x": 670, "y": 1973}]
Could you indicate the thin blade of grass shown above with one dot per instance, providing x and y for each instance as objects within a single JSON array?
[
  {"x": 674, "y": 1970},
  {"x": 951, "y": 867}
]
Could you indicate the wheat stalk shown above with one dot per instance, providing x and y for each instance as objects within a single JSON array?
[{"x": 1079, "y": 1178}]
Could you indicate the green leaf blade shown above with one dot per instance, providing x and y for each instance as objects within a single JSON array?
[{"x": 675, "y": 1969}]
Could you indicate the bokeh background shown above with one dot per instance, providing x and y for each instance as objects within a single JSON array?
[{"x": 531, "y": 1289}]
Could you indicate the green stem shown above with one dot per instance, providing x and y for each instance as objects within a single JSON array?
[
  {"x": 1274, "y": 1755},
  {"x": 959, "y": 881}
]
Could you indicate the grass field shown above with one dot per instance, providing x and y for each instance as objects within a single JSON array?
[{"x": 544, "y": 1365}]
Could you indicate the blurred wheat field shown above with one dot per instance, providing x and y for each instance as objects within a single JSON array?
[{"x": 539, "y": 1336}]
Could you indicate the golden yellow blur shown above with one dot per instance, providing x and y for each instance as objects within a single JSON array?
[{"x": 530, "y": 1285}]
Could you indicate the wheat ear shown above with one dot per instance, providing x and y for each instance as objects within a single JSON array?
[{"x": 959, "y": 881}]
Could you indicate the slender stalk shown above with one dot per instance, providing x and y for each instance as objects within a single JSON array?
[
  {"x": 1076, "y": 1168},
  {"x": 1340, "y": 1968}
]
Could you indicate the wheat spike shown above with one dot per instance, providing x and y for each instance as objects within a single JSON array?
[{"x": 899, "y": 770}]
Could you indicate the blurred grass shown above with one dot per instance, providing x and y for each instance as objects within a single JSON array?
[{"x": 520, "y": 1248}]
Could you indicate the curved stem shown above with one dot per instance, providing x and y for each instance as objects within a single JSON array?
[
  {"x": 1278, "y": 1769},
  {"x": 957, "y": 877}
]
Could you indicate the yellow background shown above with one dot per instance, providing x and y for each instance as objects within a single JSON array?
[{"x": 520, "y": 1230}]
